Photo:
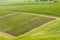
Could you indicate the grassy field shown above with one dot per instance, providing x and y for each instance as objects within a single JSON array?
[
  {"x": 29, "y": 27},
  {"x": 4, "y": 37},
  {"x": 41, "y": 8},
  {"x": 47, "y": 9},
  {"x": 20, "y": 23},
  {"x": 49, "y": 31}
]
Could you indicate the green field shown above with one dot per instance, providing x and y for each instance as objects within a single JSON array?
[
  {"x": 4, "y": 37},
  {"x": 49, "y": 31},
  {"x": 29, "y": 21},
  {"x": 20, "y": 23},
  {"x": 47, "y": 9}
]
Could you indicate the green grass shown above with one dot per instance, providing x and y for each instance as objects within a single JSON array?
[
  {"x": 40, "y": 8},
  {"x": 2, "y": 12},
  {"x": 45, "y": 37},
  {"x": 4, "y": 37},
  {"x": 20, "y": 23},
  {"x": 50, "y": 31},
  {"x": 47, "y": 9},
  {"x": 24, "y": 3}
]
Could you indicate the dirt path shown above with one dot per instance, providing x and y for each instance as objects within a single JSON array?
[
  {"x": 40, "y": 15},
  {"x": 30, "y": 14},
  {"x": 6, "y": 34},
  {"x": 7, "y": 15}
]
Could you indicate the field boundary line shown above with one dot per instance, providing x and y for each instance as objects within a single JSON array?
[
  {"x": 8, "y": 35},
  {"x": 8, "y": 15},
  {"x": 40, "y": 15}
]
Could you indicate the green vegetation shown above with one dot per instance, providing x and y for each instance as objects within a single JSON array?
[
  {"x": 49, "y": 31},
  {"x": 47, "y": 9},
  {"x": 2, "y": 13},
  {"x": 15, "y": 20},
  {"x": 20, "y": 23},
  {"x": 41, "y": 8},
  {"x": 4, "y": 37}
]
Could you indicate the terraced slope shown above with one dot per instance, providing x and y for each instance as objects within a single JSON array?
[
  {"x": 18, "y": 24},
  {"x": 49, "y": 31}
]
